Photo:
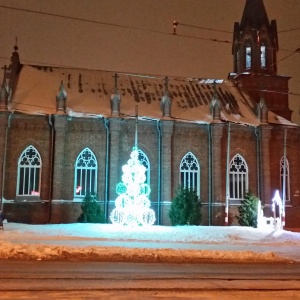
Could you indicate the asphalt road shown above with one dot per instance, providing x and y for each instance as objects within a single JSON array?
[{"x": 95, "y": 280}]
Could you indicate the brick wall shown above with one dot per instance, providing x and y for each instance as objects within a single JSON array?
[
  {"x": 72, "y": 135},
  {"x": 28, "y": 130}
]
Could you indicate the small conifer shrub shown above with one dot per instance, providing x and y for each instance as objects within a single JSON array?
[
  {"x": 248, "y": 211},
  {"x": 91, "y": 210},
  {"x": 185, "y": 207}
]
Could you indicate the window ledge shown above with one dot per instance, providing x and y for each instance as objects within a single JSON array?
[{"x": 28, "y": 199}]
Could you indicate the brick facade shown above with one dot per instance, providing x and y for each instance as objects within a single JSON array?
[{"x": 207, "y": 142}]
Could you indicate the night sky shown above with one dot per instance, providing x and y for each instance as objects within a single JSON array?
[{"x": 135, "y": 36}]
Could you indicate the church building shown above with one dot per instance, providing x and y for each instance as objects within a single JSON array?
[{"x": 67, "y": 132}]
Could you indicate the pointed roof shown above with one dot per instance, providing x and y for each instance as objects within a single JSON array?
[{"x": 255, "y": 15}]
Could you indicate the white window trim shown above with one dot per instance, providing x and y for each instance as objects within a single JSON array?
[
  {"x": 30, "y": 167},
  {"x": 287, "y": 183},
  {"x": 235, "y": 177},
  {"x": 248, "y": 57},
  {"x": 263, "y": 57},
  {"x": 143, "y": 158},
  {"x": 85, "y": 169},
  {"x": 195, "y": 173}
]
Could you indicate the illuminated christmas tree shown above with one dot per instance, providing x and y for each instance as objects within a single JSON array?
[{"x": 132, "y": 204}]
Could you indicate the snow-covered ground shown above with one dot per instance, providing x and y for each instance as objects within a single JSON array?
[{"x": 106, "y": 242}]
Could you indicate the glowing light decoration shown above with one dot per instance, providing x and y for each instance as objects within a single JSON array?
[
  {"x": 35, "y": 193},
  {"x": 78, "y": 189},
  {"x": 277, "y": 201},
  {"x": 274, "y": 222},
  {"x": 132, "y": 204}
]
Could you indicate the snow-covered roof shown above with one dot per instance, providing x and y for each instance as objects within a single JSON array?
[{"x": 89, "y": 92}]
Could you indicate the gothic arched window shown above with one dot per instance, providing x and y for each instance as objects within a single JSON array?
[
  {"x": 248, "y": 56},
  {"x": 287, "y": 179},
  {"x": 29, "y": 172},
  {"x": 190, "y": 172},
  {"x": 86, "y": 168},
  {"x": 145, "y": 162},
  {"x": 263, "y": 55},
  {"x": 238, "y": 178}
]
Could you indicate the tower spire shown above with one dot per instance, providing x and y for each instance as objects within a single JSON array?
[
  {"x": 254, "y": 49},
  {"x": 255, "y": 41},
  {"x": 255, "y": 15}
]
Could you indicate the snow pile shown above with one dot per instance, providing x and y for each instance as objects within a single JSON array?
[{"x": 106, "y": 242}]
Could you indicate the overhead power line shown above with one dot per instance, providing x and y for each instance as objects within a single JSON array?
[
  {"x": 42, "y": 64},
  {"x": 289, "y": 30},
  {"x": 204, "y": 28},
  {"x": 131, "y": 27},
  {"x": 284, "y": 58},
  {"x": 226, "y": 31},
  {"x": 175, "y": 24},
  {"x": 69, "y": 17}
]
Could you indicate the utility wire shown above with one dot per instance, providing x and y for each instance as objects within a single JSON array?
[
  {"x": 225, "y": 31},
  {"x": 288, "y": 30},
  {"x": 291, "y": 131},
  {"x": 72, "y": 18},
  {"x": 158, "y": 77},
  {"x": 129, "y": 27},
  {"x": 204, "y": 28},
  {"x": 284, "y": 58},
  {"x": 175, "y": 23}
]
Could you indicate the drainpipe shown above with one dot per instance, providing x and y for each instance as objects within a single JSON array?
[
  {"x": 227, "y": 177},
  {"x": 159, "y": 173},
  {"x": 284, "y": 180},
  {"x": 210, "y": 172},
  {"x": 258, "y": 163},
  {"x": 4, "y": 160},
  {"x": 106, "y": 124},
  {"x": 51, "y": 167}
]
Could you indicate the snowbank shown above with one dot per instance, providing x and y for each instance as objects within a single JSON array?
[{"x": 106, "y": 242}]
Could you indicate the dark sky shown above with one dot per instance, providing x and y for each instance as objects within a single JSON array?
[{"x": 142, "y": 41}]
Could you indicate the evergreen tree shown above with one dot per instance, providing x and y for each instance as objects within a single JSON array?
[
  {"x": 185, "y": 208},
  {"x": 248, "y": 211},
  {"x": 91, "y": 210}
]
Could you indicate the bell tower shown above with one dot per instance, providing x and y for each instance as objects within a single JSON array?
[{"x": 254, "y": 50}]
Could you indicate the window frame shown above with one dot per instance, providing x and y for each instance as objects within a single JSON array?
[
  {"x": 248, "y": 56},
  {"x": 287, "y": 183},
  {"x": 30, "y": 167},
  {"x": 263, "y": 55},
  {"x": 238, "y": 191},
  {"x": 184, "y": 174},
  {"x": 86, "y": 170},
  {"x": 144, "y": 160}
]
